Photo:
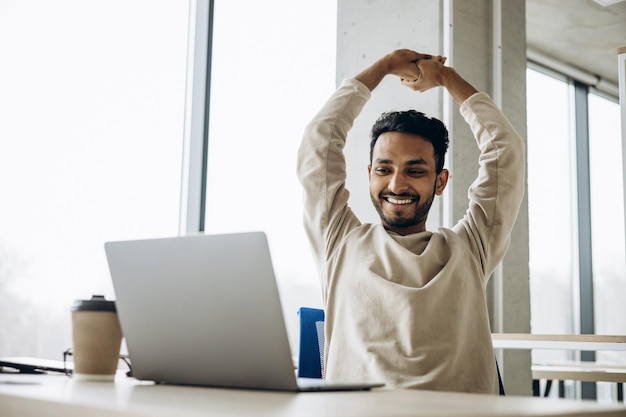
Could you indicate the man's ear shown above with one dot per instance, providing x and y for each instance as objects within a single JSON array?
[
  {"x": 369, "y": 172},
  {"x": 442, "y": 181}
]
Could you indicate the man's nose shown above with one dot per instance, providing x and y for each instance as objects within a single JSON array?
[{"x": 398, "y": 183}]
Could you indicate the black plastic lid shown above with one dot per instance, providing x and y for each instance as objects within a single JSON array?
[{"x": 97, "y": 303}]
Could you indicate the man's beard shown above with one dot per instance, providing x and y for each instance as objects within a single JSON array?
[{"x": 420, "y": 214}]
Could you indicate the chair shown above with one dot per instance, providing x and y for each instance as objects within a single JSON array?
[
  {"x": 311, "y": 355},
  {"x": 310, "y": 358}
]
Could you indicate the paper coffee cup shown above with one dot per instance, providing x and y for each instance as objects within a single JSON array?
[{"x": 97, "y": 338}]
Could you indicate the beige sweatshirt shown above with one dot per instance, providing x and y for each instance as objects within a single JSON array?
[{"x": 409, "y": 311}]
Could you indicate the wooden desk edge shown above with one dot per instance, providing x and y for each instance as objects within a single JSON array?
[
  {"x": 559, "y": 337},
  {"x": 579, "y": 373}
]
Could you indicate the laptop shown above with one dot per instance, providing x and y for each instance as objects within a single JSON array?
[{"x": 205, "y": 310}]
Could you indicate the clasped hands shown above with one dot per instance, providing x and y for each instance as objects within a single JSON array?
[{"x": 417, "y": 71}]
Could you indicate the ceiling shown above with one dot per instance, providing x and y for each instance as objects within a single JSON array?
[{"x": 584, "y": 34}]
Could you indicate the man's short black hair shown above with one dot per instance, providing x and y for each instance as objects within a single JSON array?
[{"x": 417, "y": 123}]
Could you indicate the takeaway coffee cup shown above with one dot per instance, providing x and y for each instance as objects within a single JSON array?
[{"x": 97, "y": 338}]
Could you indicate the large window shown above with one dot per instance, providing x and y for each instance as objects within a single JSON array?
[
  {"x": 576, "y": 212},
  {"x": 607, "y": 219},
  {"x": 551, "y": 194},
  {"x": 92, "y": 105},
  {"x": 91, "y": 127},
  {"x": 273, "y": 67}
]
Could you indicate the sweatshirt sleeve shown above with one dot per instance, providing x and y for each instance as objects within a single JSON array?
[
  {"x": 322, "y": 169},
  {"x": 497, "y": 192}
]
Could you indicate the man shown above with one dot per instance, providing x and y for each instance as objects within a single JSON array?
[{"x": 403, "y": 305}]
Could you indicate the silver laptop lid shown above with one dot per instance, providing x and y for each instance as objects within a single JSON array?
[{"x": 202, "y": 310}]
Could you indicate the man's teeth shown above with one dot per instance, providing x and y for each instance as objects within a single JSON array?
[{"x": 397, "y": 201}]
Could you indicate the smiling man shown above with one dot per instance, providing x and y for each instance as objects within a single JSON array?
[
  {"x": 404, "y": 305},
  {"x": 407, "y": 155}
]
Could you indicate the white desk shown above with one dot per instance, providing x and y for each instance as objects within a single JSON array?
[
  {"x": 57, "y": 395},
  {"x": 580, "y": 371},
  {"x": 589, "y": 371},
  {"x": 558, "y": 341}
]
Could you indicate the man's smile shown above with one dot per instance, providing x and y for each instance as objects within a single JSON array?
[{"x": 399, "y": 200}]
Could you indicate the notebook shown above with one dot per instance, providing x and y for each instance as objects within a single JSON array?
[
  {"x": 205, "y": 310},
  {"x": 32, "y": 365}
]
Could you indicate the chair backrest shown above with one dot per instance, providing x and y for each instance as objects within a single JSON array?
[{"x": 311, "y": 355}]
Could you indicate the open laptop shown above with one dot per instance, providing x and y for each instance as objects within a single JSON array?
[{"x": 205, "y": 310}]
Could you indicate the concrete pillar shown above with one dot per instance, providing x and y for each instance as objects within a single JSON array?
[{"x": 485, "y": 41}]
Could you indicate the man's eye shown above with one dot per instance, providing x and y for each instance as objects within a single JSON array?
[
  {"x": 382, "y": 171},
  {"x": 416, "y": 173}
]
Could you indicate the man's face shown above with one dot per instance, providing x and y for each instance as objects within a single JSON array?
[{"x": 404, "y": 181}]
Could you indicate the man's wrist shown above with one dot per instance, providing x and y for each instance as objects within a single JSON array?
[
  {"x": 373, "y": 75},
  {"x": 447, "y": 76},
  {"x": 385, "y": 64},
  {"x": 456, "y": 85}
]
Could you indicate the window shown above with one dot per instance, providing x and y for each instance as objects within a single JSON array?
[
  {"x": 576, "y": 214},
  {"x": 551, "y": 208},
  {"x": 607, "y": 218},
  {"x": 265, "y": 88},
  {"x": 91, "y": 121}
]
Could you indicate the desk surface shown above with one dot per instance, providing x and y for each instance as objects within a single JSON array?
[
  {"x": 558, "y": 341},
  {"x": 57, "y": 395},
  {"x": 580, "y": 371}
]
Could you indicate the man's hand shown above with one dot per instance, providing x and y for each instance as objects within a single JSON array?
[
  {"x": 429, "y": 74},
  {"x": 433, "y": 73},
  {"x": 420, "y": 72},
  {"x": 403, "y": 63},
  {"x": 400, "y": 63}
]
